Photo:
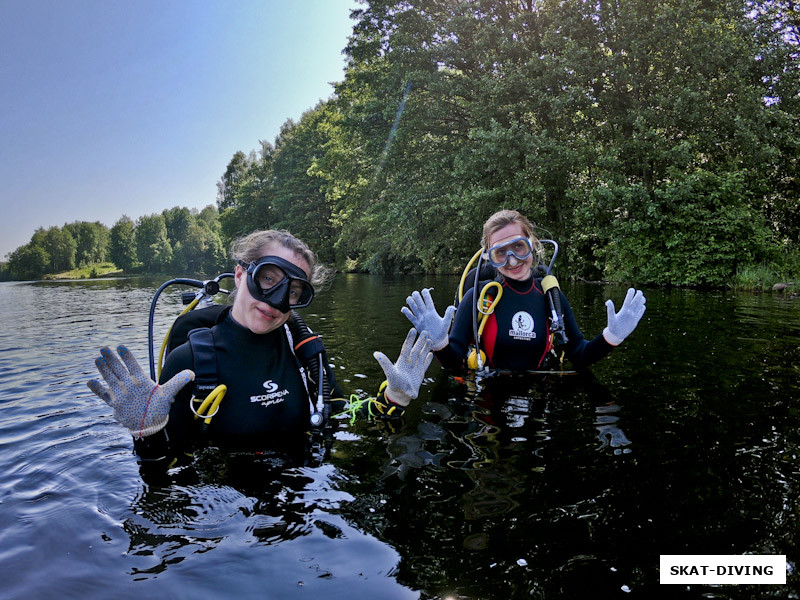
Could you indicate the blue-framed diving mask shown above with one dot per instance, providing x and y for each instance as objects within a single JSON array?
[
  {"x": 278, "y": 282},
  {"x": 518, "y": 247}
]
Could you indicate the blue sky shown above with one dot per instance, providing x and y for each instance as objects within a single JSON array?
[{"x": 111, "y": 107}]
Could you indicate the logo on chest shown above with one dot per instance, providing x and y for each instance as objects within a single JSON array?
[
  {"x": 273, "y": 396},
  {"x": 522, "y": 326}
]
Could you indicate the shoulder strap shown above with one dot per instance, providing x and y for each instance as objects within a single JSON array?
[{"x": 205, "y": 361}]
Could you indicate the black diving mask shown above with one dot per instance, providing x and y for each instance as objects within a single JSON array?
[{"x": 278, "y": 282}]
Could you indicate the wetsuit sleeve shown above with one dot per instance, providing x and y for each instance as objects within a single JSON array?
[
  {"x": 461, "y": 336},
  {"x": 163, "y": 446},
  {"x": 580, "y": 352}
]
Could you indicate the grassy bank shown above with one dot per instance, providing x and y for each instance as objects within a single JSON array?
[
  {"x": 763, "y": 278},
  {"x": 88, "y": 272}
]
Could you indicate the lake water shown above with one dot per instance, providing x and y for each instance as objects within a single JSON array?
[{"x": 686, "y": 440}]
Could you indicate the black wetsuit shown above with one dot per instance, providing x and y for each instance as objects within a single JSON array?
[
  {"x": 516, "y": 337},
  {"x": 266, "y": 404}
]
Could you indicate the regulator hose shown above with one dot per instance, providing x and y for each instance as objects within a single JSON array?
[{"x": 316, "y": 371}]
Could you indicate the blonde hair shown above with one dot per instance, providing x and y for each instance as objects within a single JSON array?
[
  {"x": 248, "y": 249},
  {"x": 506, "y": 217}
]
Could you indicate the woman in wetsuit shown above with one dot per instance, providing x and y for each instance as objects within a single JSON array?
[
  {"x": 516, "y": 336},
  {"x": 267, "y": 402}
]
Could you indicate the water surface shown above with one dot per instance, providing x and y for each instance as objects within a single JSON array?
[{"x": 683, "y": 441}]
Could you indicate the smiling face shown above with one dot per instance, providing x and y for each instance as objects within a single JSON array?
[
  {"x": 516, "y": 269},
  {"x": 257, "y": 316}
]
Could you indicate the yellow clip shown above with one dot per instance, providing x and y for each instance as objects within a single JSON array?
[{"x": 210, "y": 403}]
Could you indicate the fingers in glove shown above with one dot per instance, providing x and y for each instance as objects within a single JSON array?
[
  {"x": 448, "y": 314},
  {"x": 426, "y": 297},
  {"x": 115, "y": 364},
  {"x": 422, "y": 352},
  {"x": 611, "y": 311},
  {"x": 174, "y": 385},
  {"x": 628, "y": 297},
  {"x": 408, "y": 346},
  {"x": 384, "y": 362},
  {"x": 421, "y": 349},
  {"x": 415, "y": 303},
  {"x": 100, "y": 390},
  {"x": 639, "y": 300},
  {"x": 133, "y": 367},
  {"x": 105, "y": 370},
  {"x": 415, "y": 320}
]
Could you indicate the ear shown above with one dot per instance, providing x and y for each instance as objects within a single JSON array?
[{"x": 238, "y": 274}]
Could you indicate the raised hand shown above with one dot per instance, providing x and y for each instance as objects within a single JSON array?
[
  {"x": 621, "y": 324},
  {"x": 139, "y": 403},
  {"x": 405, "y": 376},
  {"x": 423, "y": 316}
]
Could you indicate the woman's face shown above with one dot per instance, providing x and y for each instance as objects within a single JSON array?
[
  {"x": 257, "y": 316},
  {"x": 520, "y": 270}
]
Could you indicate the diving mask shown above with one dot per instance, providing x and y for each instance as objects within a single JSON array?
[
  {"x": 519, "y": 247},
  {"x": 278, "y": 282}
]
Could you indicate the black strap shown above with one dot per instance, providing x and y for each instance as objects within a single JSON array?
[{"x": 205, "y": 361}]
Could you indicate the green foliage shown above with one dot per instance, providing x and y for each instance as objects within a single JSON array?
[
  {"x": 694, "y": 231},
  {"x": 657, "y": 142},
  {"x": 153, "y": 248},
  {"x": 28, "y": 262},
  {"x": 91, "y": 241},
  {"x": 244, "y": 194},
  {"x": 122, "y": 244}
]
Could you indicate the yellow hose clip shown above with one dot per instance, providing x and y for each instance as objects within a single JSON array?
[
  {"x": 210, "y": 405},
  {"x": 486, "y": 305}
]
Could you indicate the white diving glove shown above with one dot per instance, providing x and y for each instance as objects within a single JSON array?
[
  {"x": 405, "y": 376},
  {"x": 621, "y": 324},
  {"x": 424, "y": 317},
  {"x": 139, "y": 403}
]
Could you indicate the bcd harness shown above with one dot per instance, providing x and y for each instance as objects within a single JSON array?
[{"x": 305, "y": 345}]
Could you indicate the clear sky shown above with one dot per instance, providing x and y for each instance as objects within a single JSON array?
[{"x": 112, "y": 107}]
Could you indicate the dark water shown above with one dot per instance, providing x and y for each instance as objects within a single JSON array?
[{"x": 685, "y": 441}]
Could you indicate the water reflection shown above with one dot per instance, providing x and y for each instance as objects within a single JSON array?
[{"x": 687, "y": 440}]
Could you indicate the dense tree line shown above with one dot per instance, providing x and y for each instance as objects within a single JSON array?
[
  {"x": 178, "y": 239},
  {"x": 657, "y": 142}
]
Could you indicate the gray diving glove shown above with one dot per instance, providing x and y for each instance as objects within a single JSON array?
[
  {"x": 405, "y": 376},
  {"x": 139, "y": 403},
  {"x": 424, "y": 317},
  {"x": 621, "y": 324}
]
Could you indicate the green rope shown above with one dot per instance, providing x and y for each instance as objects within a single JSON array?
[{"x": 354, "y": 404}]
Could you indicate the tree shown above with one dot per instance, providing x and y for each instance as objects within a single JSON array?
[
  {"x": 299, "y": 199},
  {"x": 122, "y": 245},
  {"x": 92, "y": 240},
  {"x": 153, "y": 249},
  {"x": 59, "y": 246},
  {"x": 178, "y": 221},
  {"x": 244, "y": 195},
  {"x": 30, "y": 261}
]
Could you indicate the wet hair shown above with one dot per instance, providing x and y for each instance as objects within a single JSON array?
[{"x": 248, "y": 249}]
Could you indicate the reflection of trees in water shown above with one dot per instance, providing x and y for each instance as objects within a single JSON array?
[
  {"x": 495, "y": 492},
  {"x": 554, "y": 490}
]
